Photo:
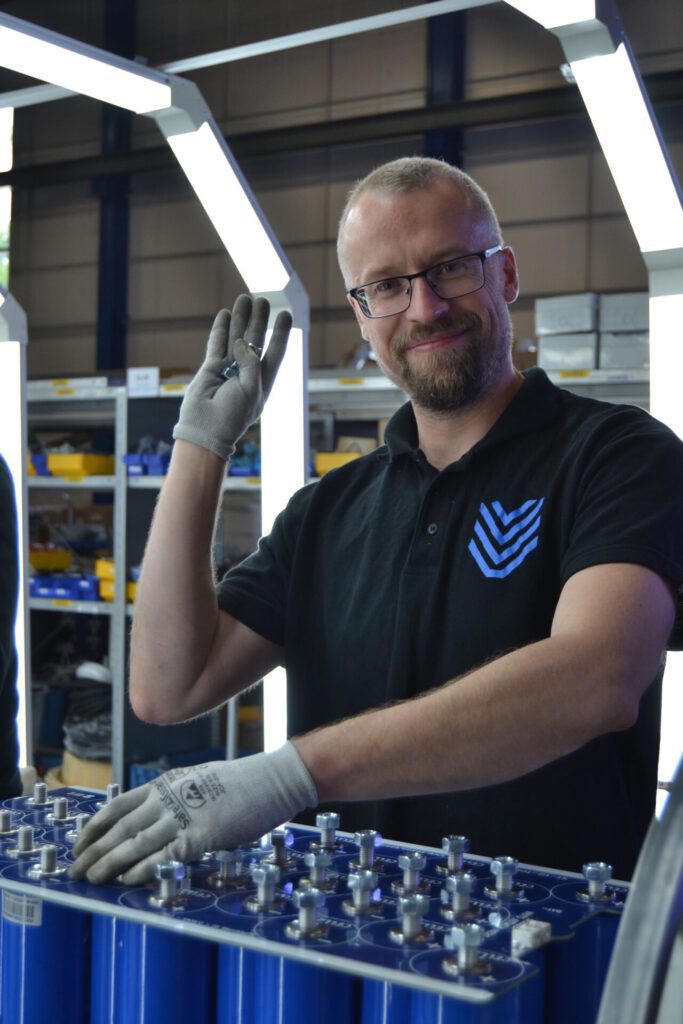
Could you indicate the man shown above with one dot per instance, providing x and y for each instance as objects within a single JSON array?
[
  {"x": 470, "y": 617},
  {"x": 10, "y": 778}
]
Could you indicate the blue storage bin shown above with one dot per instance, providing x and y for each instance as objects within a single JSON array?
[
  {"x": 156, "y": 465},
  {"x": 138, "y": 774},
  {"x": 39, "y": 463},
  {"x": 88, "y": 588},
  {"x": 134, "y": 465}
]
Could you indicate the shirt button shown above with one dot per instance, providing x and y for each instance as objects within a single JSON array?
[{"x": 431, "y": 529}]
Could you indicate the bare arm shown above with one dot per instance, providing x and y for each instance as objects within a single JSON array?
[
  {"x": 187, "y": 656},
  {"x": 514, "y": 714}
]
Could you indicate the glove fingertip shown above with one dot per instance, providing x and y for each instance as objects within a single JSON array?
[{"x": 217, "y": 345}]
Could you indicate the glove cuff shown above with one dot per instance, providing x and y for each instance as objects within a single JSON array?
[
  {"x": 195, "y": 435},
  {"x": 288, "y": 764}
]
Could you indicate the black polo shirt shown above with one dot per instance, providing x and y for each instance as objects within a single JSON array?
[{"x": 387, "y": 578}]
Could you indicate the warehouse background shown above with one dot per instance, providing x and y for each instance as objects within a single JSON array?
[{"x": 117, "y": 264}]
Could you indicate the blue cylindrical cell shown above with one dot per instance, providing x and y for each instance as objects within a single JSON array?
[
  {"x": 236, "y": 985},
  {"x": 149, "y": 974},
  {"x": 383, "y": 1003},
  {"x": 43, "y": 961},
  {"x": 287, "y": 990},
  {"x": 577, "y": 970}
]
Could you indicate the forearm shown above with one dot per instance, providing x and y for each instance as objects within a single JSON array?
[
  {"x": 501, "y": 721},
  {"x": 176, "y": 612}
]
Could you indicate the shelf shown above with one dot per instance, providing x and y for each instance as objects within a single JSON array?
[
  {"x": 62, "y": 483},
  {"x": 231, "y": 483},
  {"x": 65, "y": 604}
]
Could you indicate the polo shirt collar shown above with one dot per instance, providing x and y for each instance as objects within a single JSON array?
[{"x": 534, "y": 406}]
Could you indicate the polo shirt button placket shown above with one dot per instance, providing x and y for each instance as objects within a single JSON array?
[{"x": 432, "y": 528}]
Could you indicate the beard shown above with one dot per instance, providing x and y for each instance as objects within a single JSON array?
[{"x": 453, "y": 379}]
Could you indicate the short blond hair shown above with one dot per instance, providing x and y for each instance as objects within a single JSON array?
[{"x": 410, "y": 173}]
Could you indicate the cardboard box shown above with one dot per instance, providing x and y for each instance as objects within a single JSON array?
[
  {"x": 567, "y": 314},
  {"x": 627, "y": 311},
  {"x": 624, "y": 351},
  {"x": 568, "y": 351}
]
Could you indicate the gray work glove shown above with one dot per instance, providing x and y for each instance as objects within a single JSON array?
[
  {"x": 187, "y": 811},
  {"x": 216, "y": 412}
]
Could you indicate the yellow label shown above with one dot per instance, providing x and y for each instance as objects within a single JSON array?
[
  {"x": 63, "y": 602},
  {"x": 575, "y": 373},
  {"x": 353, "y": 381},
  {"x": 60, "y": 382},
  {"x": 65, "y": 391},
  {"x": 173, "y": 387}
]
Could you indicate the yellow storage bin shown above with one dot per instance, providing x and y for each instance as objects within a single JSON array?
[
  {"x": 104, "y": 568},
  {"x": 325, "y": 461},
  {"x": 131, "y": 591},
  {"x": 50, "y": 560},
  {"x": 77, "y": 465},
  {"x": 107, "y": 590}
]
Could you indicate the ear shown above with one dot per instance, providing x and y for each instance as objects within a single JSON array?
[
  {"x": 360, "y": 319},
  {"x": 511, "y": 277}
]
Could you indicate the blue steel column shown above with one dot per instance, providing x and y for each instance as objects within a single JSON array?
[
  {"x": 112, "y": 295},
  {"x": 445, "y": 81}
]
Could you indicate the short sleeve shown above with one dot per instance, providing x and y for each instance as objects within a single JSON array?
[{"x": 629, "y": 502}]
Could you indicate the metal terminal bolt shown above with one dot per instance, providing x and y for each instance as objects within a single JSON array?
[
  {"x": 113, "y": 790},
  {"x": 412, "y": 865},
  {"x": 265, "y": 877},
  {"x": 459, "y": 888},
  {"x": 328, "y": 823},
  {"x": 362, "y": 885},
  {"x": 48, "y": 866},
  {"x": 454, "y": 847},
  {"x": 39, "y": 798},
  {"x": 25, "y": 843},
  {"x": 60, "y": 812},
  {"x": 597, "y": 874},
  {"x": 309, "y": 903},
  {"x": 277, "y": 840},
  {"x": 318, "y": 863},
  {"x": 80, "y": 822},
  {"x": 466, "y": 940},
  {"x": 365, "y": 841},
  {"x": 6, "y": 827},
  {"x": 503, "y": 870},
  {"x": 169, "y": 874},
  {"x": 229, "y": 871},
  {"x": 412, "y": 930}
]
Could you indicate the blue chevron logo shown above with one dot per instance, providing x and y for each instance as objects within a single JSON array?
[{"x": 502, "y": 540}]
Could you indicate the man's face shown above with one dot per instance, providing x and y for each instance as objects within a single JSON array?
[{"x": 445, "y": 353}]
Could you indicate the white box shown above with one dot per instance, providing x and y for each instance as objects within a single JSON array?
[
  {"x": 627, "y": 311},
  {"x": 568, "y": 351},
  {"x": 624, "y": 351},
  {"x": 567, "y": 314}
]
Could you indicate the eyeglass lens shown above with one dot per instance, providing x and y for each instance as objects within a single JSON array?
[{"x": 449, "y": 280}]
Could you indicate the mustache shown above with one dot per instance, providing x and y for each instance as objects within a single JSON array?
[{"x": 424, "y": 332}]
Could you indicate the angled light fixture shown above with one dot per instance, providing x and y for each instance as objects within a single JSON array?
[
  {"x": 35, "y": 51},
  {"x": 203, "y": 156},
  {"x": 553, "y": 13},
  {"x": 621, "y": 116}
]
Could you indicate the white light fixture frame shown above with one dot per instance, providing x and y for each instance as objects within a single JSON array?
[{"x": 14, "y": 449}]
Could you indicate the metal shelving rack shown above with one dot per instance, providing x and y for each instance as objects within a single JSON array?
[{"x": 93, "y": 406}]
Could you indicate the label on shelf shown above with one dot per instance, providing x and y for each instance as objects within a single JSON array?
[{"x": 143, "y": 381}]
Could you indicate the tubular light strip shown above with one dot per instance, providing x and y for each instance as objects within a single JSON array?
[
  {"x": 553, "y": 13},
  {"x": 85, "y": 69},
  {"x": 621, "y": 118},
  {"x": 12, "y": 448},
  {"x": 202, "y": 156},
  {"x": 283, "y": 448}
]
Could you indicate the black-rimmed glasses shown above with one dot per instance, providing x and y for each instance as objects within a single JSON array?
[{"x": 448, "y": 280}]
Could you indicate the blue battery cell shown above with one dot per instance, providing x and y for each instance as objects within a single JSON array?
[
  {"x": 287, "y": 990},
  {"x": 147, "y": 975},
  {"x": 577, "y": 970},
  {"x": 44, "y": 961},
  {"x": 236, "y": 985}
]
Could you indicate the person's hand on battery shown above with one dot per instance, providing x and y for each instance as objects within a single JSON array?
[
  {"x": 231, "y": 386},
  {"x": 188, "y": 811}
]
